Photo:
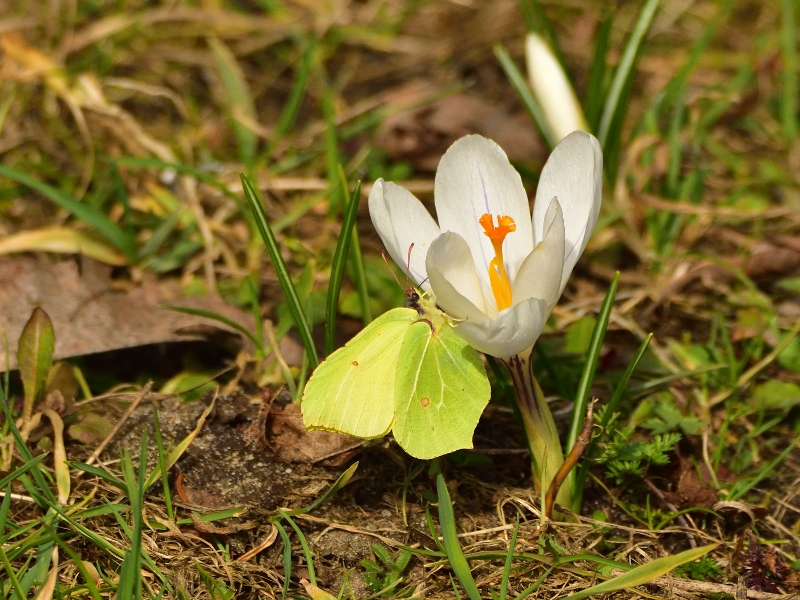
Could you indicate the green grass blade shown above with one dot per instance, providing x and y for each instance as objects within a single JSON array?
[
  {"x": 643, "y": 573},
  {"x": 654, "y": 384},
  {"x": 251, "y": 288},
  {"x": 12, "y": 575},
  {"x": 85, "y": 212},
  {"x": 160, "y": 235},
  {"x": 675, "y": 146},
  {"x": 625, "y": 72},
  {"x": 98, "y": 472},
  {"x": 359, "y": 275},
  {"x": 455, "y": 554},
  {"x": 453, "y": 585},
  {"x": 177, "y": 450},
  {"x": 698, "y": 51},
  {"x": 590, "y": 366},
  {"x": 742, "y": 486},
  {"x": 238, "y": 100},
  {"x": 337, "y": 268},
  {"x": 595, "y": 88},
  {"x": 5, "y": 505},
  {"x": 335, "y": 197},
  {"x": 357, "y": 270},
  {"x": 535, "y": 585},
  {"x": 520, "y": 84},
  {"x": 312, "y": 577},
  {"x": 43, "y": 495},
  {"x": 432, "y": 530},
  {"x": 78, "y": 562},
  {"x": 611, "y": 406},
  {"x": 583, "y": 469},
  {"x": 292, "y": 106},
  {"x": 507, "y": 566},
  {"x": 295, "y": 306},
  {"x": 16, "y": 474},
  {"x": 162, "y": 464},
  {"x": 287, "y": 558},
  {"x": 199, "y": 312},
  {"x": 340, "y": 482},
  {"x": 130, "y": 580},
  {"x": 789, "y": 91},
  {"x": 589, "y": 370}
]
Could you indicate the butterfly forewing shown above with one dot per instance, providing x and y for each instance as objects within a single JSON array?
[
  {"x": 440, "y": 392},
  {"x": 352, "y": 391}
]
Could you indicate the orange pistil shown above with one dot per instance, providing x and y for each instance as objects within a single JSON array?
[{"x": 501, "y": 286}]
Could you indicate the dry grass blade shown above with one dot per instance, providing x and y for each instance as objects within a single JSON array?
[{"x": 62, "y": 240}]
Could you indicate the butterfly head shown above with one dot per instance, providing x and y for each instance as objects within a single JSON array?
[{"x": 412, "y": 299}]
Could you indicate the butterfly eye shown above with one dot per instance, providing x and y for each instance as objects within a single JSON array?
[{"x": 412, "y": 299}]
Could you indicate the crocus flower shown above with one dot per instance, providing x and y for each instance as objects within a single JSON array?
[
  {"x": 552, "y": 89},
  {"x": 497, "y": 270}
]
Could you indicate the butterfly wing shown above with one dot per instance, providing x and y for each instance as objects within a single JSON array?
[
  {"x": 441, "y": 389},
  {"x": 352, "y": 391}
]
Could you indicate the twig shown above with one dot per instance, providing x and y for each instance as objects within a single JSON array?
[{"x": 570, "y": 461}]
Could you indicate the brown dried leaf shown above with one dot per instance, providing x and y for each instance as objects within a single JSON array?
[
  {"x": 421, "y": 134},
  {"x": 91, "y": 314},
  {"x": 91, "y": 429},
  {"x": 289, "y": 440},
  {"x": 774, "y": 259},
  {"x": 690, "y": 492}
]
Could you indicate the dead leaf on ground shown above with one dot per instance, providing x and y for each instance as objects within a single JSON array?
[
  {"x": 690, "y": 491},
  {"x": 289, "y": 440},
  {"x": 736, "y": 516},
  {"x": 422, "y": 133},
  {"x": 91, "y": 313},
  {"x": 774, "y": 259}
]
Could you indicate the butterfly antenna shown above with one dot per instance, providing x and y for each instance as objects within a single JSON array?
[
  {"x": 411, "y": 291},
  {"x": 408, "y": 265},
  {"x": 391, "y": 270}
]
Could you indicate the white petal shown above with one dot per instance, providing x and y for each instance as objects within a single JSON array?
[
  {"x": 553, "y": 89},
  {"x": 515, "y": 329},
  {"x": 540, "y": 273},
  {"x": 401, "y": 220},
  {"x": 474, "y": 178},
  {"x": 574, "y": 175},
  {"x": 454, "y": 281}
]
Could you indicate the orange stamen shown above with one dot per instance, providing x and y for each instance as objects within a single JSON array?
[{"x": 501, "y": 285}]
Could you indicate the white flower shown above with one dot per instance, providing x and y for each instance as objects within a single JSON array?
[
  {"x": 552, "y": 89},
  {"x": 492, "y": 267}
]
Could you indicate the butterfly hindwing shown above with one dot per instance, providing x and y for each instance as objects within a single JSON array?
[
  {"x": 352, "y": 391},
  {"x": 441, "y": 388}
]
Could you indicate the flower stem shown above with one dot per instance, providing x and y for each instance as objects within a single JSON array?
[{"x": 546, "y": 454}]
